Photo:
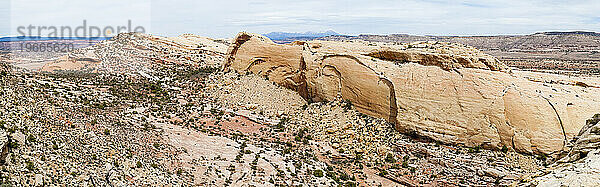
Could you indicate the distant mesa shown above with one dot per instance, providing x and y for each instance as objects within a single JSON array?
[
  {"x": 282, "y": 37},
  {"x": 570, "y": 33}
]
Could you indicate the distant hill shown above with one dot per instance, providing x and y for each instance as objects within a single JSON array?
[
  {"x": 571, "y": 33},
  {"x": 566, "y": 41},
  {"x": 291, "y": 36}
]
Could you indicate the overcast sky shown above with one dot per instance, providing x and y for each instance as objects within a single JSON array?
[{"x": 224, "y": 18}]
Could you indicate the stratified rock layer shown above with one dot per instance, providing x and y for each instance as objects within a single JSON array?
[{"x": 449, "y": 92}]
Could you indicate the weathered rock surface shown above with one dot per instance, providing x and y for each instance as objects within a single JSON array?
[
  {"x": 579, "y": 163},
  {"x": 448, "y": 92},
  {"x": 586, "y": 141}
]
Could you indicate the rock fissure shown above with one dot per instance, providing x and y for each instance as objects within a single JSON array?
[
  {"x": 393, "y": 104},
  {"x": 254, "y": 61},
  {"x": 559, "y": 120}
]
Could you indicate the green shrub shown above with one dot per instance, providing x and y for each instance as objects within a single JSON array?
[
  {"x": 350, "y": 184},
  {"x": 31, "y": 138},
  {"x": 504, "y": 149},
  {"x": 383, "y": 173},
  {"x": 390, "y": 158},
  {"x": 29, "y": 166},
  {"x": 12, "y": 145},
  {"x": 476, "y": 149},
  {"x": 318, "y": 173}
]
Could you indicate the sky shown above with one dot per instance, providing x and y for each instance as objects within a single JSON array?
[{"x": 225, "y": 18}]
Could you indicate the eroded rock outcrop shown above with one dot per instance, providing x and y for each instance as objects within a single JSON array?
[
  {"x": 579, "y": 162},
  {"x": 448, "y": 92},
  {"x": 586, "y": 141}
]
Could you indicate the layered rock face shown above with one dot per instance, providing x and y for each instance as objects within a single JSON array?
[
  {"x": 448, "y": 92},
  {"x": 579, "y": 162},
  {"x": 586, "y": 141}
]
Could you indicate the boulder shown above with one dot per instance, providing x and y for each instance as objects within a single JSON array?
[{"x": 448, "y": 92}]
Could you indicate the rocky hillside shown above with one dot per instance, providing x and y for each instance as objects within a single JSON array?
[
  {"x": 137, "y": 53},
  {"x": 156, "y": 111},
  {"x": 154, "y": 124},
  {"x": 448, "y": 92},
  {"x": 182, "y": 122}
]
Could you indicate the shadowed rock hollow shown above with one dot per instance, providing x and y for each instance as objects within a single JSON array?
[{"x": 448, "y": 92}]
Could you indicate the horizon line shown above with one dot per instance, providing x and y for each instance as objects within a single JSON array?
[{"x": 340, "y": 34}]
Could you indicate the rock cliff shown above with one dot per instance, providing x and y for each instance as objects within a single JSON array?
[{"x": 448, "y": 92}]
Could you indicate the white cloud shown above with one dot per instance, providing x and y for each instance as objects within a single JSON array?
[{"x": 227, "y": 17}]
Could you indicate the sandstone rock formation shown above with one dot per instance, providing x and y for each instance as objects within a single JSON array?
[
  {"x": 579, "y": 163},
  {"x": 448, "y": 92},
  {"x": 586, "y": 141}
]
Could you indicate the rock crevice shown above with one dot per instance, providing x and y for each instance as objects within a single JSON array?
[{"x": 578, "y": 164}]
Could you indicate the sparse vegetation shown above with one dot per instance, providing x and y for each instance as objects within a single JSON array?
[
  {"x": 476, "y": 149},
  {"x": 318, "y": 173}
]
